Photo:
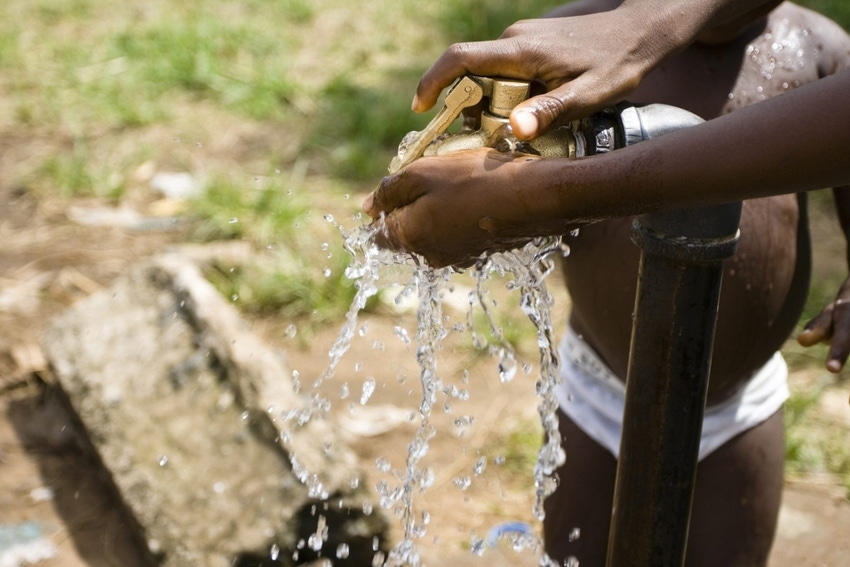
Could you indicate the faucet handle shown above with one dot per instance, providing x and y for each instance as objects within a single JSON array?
[{"x": 465, "y": 93}]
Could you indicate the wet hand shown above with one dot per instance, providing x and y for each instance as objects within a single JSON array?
[
  {"x": 455, "y": 208},
  {"x": 832, "y": 325}
]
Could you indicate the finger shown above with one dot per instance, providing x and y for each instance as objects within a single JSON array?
[
  {"x": 839, "y": 350},
  {"x": 395, "y": 191},
  {"x": 497, "y": 58},
  {"x": 818, "y": 329},
  {"x": 564, "y": 103}
]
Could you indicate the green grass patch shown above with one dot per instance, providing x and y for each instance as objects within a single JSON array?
[
  {"x": 358, "y": 127},
  {"x": 79, "y": 62},
  {"x": 311, "y": 293},
  {"x": 209, "y": 58},
  {"x": 814, "y": 443},
  {"x": 265, "y": 210},
  {"x": 518, "y": 448},
  {"x": 838, "y": 10},
  {"x": 476, "y": 20}
]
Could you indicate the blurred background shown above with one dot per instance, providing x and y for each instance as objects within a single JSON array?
[{"x": 127, "y": 127}]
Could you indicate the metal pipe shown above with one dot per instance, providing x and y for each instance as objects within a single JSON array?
[{"x": 669, "y": 364}]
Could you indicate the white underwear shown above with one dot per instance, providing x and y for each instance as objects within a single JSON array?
[{"x": 593, "y": 397}]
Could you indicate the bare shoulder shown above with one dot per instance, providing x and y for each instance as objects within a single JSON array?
[{"x": 828, "y": 40}]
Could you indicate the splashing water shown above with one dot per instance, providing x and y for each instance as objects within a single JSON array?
[{"x": 528, "y": 268}]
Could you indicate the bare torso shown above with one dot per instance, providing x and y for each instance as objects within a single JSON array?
[{"x": 766, "y": 282}]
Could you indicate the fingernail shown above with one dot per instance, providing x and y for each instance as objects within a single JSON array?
[
  {"x": 524, "y": 123},
  {"x": 368, "y": 202},
  {"x": 834, "y": 366},
  {"x": 414, "y": 106}
]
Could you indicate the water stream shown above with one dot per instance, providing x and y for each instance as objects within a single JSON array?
[{"x": 524, "y": 271}]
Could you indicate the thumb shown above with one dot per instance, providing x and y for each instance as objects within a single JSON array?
[
  {"x": 573, "y": 100},
  {"x": 534, "y": 117}
]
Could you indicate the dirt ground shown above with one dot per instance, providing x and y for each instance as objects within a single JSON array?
[{"x": 48, "y": 262}]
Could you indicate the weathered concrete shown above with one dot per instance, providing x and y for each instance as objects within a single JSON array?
[{"x": 182, "y": 405}]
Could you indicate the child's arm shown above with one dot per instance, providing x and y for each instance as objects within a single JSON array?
[
  {"x": 833, "y": 323},
  {"x": 587, "y": 62},
  {"x": 452, "y": 208}
]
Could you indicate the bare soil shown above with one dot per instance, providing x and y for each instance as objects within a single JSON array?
[{"x": 48, "y": 262}]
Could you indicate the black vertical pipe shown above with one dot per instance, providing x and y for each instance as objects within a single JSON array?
[{"x": 672, "y": 339}]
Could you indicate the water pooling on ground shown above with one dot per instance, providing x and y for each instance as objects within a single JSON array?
[{"x": 524, "y": 272}]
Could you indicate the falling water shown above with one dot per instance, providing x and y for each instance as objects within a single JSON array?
[{"x": 528, "y": 267}]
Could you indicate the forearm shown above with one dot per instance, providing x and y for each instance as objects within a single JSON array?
[{"x": 796, "y": 142}]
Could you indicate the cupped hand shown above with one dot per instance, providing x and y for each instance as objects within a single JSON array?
[
  {"x": 454, "y": 208},
  {"x": 586, "y": 62},
  {"x": 832, "y": 325}
]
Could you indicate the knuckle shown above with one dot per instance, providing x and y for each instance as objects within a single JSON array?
[
  {"x": 548, "y": 107},
  {"x": 515, "y": 29},
  {"x": 458, "y": 51}
]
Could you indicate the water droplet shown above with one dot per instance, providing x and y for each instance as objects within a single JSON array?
[
  {"x": 326, "y": 272},
  {"x": 290, "y": 331},
  {"x": 163, "y": 460},
  {"x": 571, "y": 561},
  {"x": 463, "y": 482},
  {"x": 507, "y": 369},
  {"x": 274, "y": 552},
  {"x": 401, "y": 333},
  {"x": 382, "y": 464},
  {"x": 342, "y": 551},
  {"x": 233, "y": 220},
  {"x": 480, "y": 465},
  {"x": 575, "y": 533},
  {"x": 234, "y": 297},
  {"x": 476, "y": 545},
  {"x": 499, "y": 460},
  {"x": 731, "y": 96},
  {"x": 368, "y": 390},
  {"x": 329, "y": 217},
  {"x": 343, "y": 391},
  {"x": 346, "y": 196}
]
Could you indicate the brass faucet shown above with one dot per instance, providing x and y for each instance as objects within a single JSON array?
[{"x": 615, "y": 127}]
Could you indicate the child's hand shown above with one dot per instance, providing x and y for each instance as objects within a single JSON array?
[
  {"x": 586, "y": 62},
  {"x": 454, "y": 208},
  {"x": 832, "y": 325}
]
